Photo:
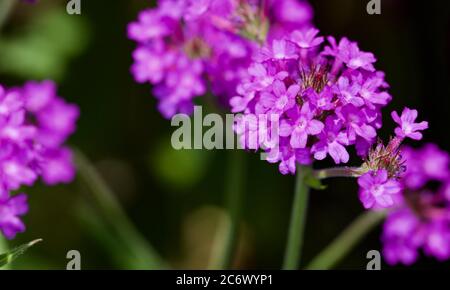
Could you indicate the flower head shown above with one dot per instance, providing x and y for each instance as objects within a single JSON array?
[
  {"x": 327, "y": 96},
  {"x": 422, "y": 219},
  {"x": 34, "y": 124},
  {"x": 183, "y": 47}
]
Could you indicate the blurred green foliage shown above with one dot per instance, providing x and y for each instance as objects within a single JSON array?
[
  {"x": 174, "y": 199},
  {"x": 45, "y": 46}
]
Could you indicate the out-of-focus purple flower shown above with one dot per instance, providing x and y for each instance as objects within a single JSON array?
[
  {"x": 408, "y": 127},
  {"x": 287, "y": 16},
  {"x": 183, "y": 47},
  {"x": 279, "y": 50},
  {"x": 11, "y": 208},
  {"x": 34, "y": 124},
  {"x": 57, "y": 166},
  {"x": 377, "y": 190},
  {"x": 428, "y": 163},
  {"x": 422, "y": 220},
  {"x": 401, "y": 237}
]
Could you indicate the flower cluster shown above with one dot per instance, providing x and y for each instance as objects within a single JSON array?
[
  {"x": 34, "y": 124},
  {"x": 326, "y": 94},
  {"x": 422, "y": 218},
  {"x": 186, "y": 46},
  {"x": 384, "y": 165}
]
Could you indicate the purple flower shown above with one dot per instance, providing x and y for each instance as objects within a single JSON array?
[
  {"x": 290, "y": 13},
  {"x": 369, "y": 90},
  {"x": 408, "y": 127},
  {"x": 437, "y": 240},
  {"x": 282, "y": 99},
  {"x": 348, "y": 93},
  {"x": 34, "y": 123},
  {"x": 303, "y": 126},
  {"x": 335, "y": 85},
  {"x": 279, "y": 50},
  {"x": 401, "y": 237},
  {"x": 150, "y": 25},
  {"x": 323, "y": 100},
  {"x": 306, "y": 38},
  {"x": 11, "y": 208},
  {"x": 58, "y": 166},
  {"x": 377, "y": 190},
  {"x": 200, "y": 43},
  {"x": 331, "y": 141},
  {"x": 356, "y": 123},
  {"x": 288, "y": 157},
  {"x": 355, "y": 59},
  {"x": 422, "y": 219}
]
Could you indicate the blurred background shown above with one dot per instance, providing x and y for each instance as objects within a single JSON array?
[{"x": 174, "y": 199}]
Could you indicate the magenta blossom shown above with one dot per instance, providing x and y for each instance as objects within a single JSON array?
[
  {"x": 422, "y": 220},
  {"x": 34, "y": 125},
  {"x": 185, "y": 47},
  {"x": 335, "y": 96},
  {"x": 377, "y": 190},
  {"x": 11, "y": 208},
  {"x": 307, "y": 38},
  {"x": 408, "y": 127}
]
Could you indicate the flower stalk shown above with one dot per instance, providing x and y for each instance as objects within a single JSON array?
[
  {"x": 114, "y": 214},
  {"x": 227, "y": 238},
  {"x": 6, "y": 7},
  {"x": 298, "y": 219},
  {"x": 346, "y": 241},
  {"x": 337, "y": 172}
]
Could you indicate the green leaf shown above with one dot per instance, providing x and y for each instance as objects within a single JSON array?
[
  {"x": 10, "y": 256},
  {"x": 313, "y": 182}
]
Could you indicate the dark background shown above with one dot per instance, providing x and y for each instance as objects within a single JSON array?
[{"x": 175, "y": 198}]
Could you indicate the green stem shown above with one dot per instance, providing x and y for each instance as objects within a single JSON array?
[
  {"x": 226, "y": 240},
  {"x": 342, "y": 245},
  {"x": 4, "y": 248},
  {"x": 297, "y": 224},
  {"x": 6, "y": 7},
  {"x": 116, "y": 217},
  {"x": 337, "y": 172}
]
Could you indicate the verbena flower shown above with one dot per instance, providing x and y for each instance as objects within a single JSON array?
[
  {"x": 185, "y": 47},
  {"x": 34, "y": 125},
  {"x": 338, "y": 104},
  {"x": 377, "y": 190},
  {"x": 422, "y": 220},
  {"x": 408, "y": 127},
  {"x": 384, "y": 167}
]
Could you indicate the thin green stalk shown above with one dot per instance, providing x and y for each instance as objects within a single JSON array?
[
  {"x": 6, "y": 7},
  {"x": 298, "y": 219},
  {"x": 343, "y": 244},
  {"x": 337, "y": 172},
  {"x": 114, "y": 214},
  {"x": 226, "y": 239},
  {"x": 4, "y": 248}
]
